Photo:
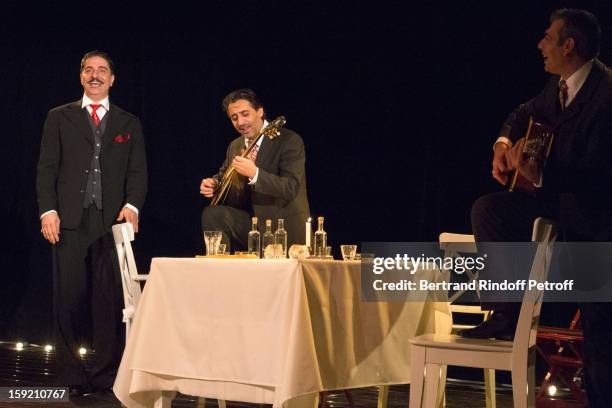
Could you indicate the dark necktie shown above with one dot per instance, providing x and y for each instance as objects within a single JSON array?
[
  {"x": 94, "y": 115},
  {"x": 253, "y": 153},
  {"x": 562, "y": 93}
]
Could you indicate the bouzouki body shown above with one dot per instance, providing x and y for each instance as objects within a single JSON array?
[{"x": 231, "y": 182}]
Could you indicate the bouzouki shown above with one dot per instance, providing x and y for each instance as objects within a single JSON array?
[
  {"x": 230, "y": 176},
  {"x": 538, "y": 141}
]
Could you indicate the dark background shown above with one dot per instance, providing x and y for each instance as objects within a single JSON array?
[{"x": 398, "y": 104}]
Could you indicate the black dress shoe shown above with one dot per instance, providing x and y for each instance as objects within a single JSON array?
[
  {"x": 105, "y": 393},
  {"x": 79, "y": 390},
  {"x": 499, "y": 326}
]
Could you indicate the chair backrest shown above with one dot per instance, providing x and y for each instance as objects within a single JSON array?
[
  {"x": 453, "y": 246},
  {"x": 123, "y": 235},
  {"x": 544, "y": 234}
]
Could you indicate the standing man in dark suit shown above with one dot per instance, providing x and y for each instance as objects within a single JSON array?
[
  {"x": 92, "y": 172},
  {"x": 272, "y": 181},
  {"x": 575, "y": 186}
]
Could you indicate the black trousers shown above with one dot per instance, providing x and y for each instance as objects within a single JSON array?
[
  {"x": 87, "y": 303},
  {"x": 509, "y": 217},
  {"x": 234, "y": 223},
  {"x": 506, "y": 217}
]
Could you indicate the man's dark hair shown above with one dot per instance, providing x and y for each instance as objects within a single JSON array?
[
  {"x": 246, "y": 94},
  {"x": 583, "y": 27},
  {"x": 101, "y": 54}
]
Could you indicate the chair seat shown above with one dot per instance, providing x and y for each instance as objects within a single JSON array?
[{"x": 451, "y": 341}]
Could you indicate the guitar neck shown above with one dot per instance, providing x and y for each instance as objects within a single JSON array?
[{"x": 252, "y": 145}]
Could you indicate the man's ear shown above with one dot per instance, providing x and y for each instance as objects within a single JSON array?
[
  {"x": 112, "y": 80},
  {"x": 569, "y": 46},
  {"x": 260, "y": 112}
]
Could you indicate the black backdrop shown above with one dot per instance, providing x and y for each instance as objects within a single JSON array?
[{"x": 398, "y": 103}]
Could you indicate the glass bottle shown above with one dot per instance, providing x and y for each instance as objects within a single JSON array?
[
  {"x": 254, "y": 240},
  {"x": 268, "y": 236},
  {"x": 280, "y": 236},
  {"x": 320, "y": 239}
]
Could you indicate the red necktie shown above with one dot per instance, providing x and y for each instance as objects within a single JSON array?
[
  {"x": 253, "y": 153},
  {"x": 94, "y": 107}
]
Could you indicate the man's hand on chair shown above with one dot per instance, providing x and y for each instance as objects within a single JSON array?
[{"x": 129, "y": 216}]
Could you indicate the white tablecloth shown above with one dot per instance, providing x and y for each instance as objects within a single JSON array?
[{"x": 265, "y": 331}]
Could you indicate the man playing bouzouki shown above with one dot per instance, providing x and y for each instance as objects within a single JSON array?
[
  {"x": 270, "y": 182},
  {"x": 574, "y": 187}
]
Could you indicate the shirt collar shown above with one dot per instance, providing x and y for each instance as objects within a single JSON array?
[
  {"x": 86, "y": 102},
  {"x": 576, "y": 80},
  {"x": 246, "y": 143}
]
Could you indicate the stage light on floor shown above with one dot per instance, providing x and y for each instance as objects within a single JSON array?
[
  {"x": 552, "y": 390},
  {"x": 82, "y": 351},
  {"x": 48, "y": 348},
  {"x": 19, "y": 346}
]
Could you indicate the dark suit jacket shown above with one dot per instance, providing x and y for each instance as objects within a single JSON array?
[
  {"x": 280, "y": 191},
  {"x": 577, "y": 179},
  {"x": 65, "y": 157}
]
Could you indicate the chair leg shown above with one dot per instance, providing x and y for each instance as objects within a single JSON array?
[
  {"x": 383, "y": 396},
  {"x": 531, "y": 379},
  {"x": 417, "y": 372},
  {"x": 432, "y": 383},
  {"x": 221, "y": 403},
  {"x": 489, "y": 380},
  {"x": 441, "y": 400},
  {"x": 163, "y": 400},
  {"x": 519, "y": 387},
  {"x": 523, "y": 383},
  {"x": 201, "y": 402}
]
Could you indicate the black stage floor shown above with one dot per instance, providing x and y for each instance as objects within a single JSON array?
[{"x": 33, "y": 366}]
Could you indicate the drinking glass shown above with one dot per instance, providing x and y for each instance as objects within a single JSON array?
[
  {"x": 348, "y": 252},
  {"x": 274, "y": 251},
  {"x": 212, "y": 239},
  {"x": 298, "y": 251},
  {"x": 328, "y": 253}
]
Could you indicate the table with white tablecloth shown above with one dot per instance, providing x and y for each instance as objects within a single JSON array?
[{"x": 266, "y": 331}]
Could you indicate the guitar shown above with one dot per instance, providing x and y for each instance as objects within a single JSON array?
[
  {"x": 538, "y": 141},
  {"x": 230, "y": 176}
]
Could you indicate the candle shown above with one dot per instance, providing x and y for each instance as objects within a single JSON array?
[{"x": 308, "y": 231}]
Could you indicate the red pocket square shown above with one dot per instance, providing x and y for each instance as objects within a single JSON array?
[{"x": 122, "y": 138}]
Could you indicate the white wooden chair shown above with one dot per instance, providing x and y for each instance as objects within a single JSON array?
[
  {"x": 430, "y": 352},
  {"x": 123, "y": 235},
  {"x": 454, "y": 245}
]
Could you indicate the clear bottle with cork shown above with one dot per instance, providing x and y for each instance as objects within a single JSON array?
[
  {"x": 280, "y": 236},
  {"x": 254, "y": 241},
  {"x": 320, "y": 239},
  {"x": 268, "y": 236}
]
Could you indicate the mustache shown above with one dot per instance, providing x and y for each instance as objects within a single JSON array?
[{"x": 91, "y": 81}]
